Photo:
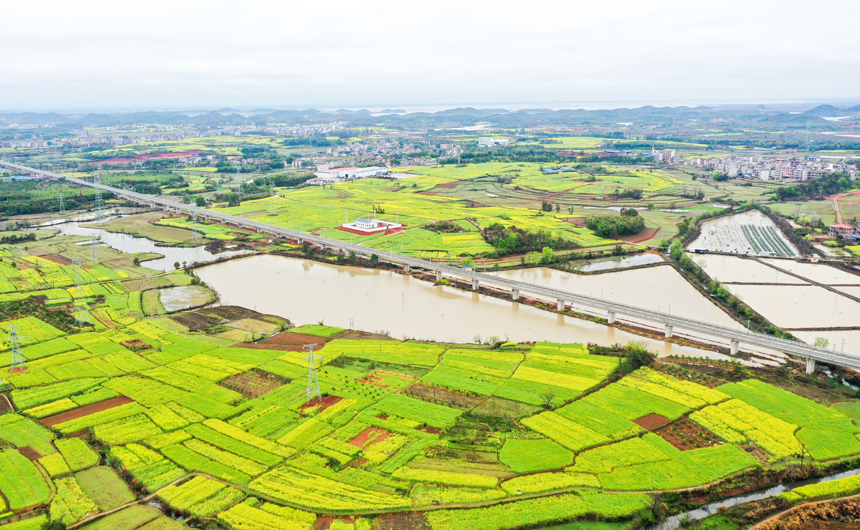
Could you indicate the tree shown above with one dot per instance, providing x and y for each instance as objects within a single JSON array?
[
  {"x": 547, "y": 398},
  {"x": 176, "y": 265},
  {"x": 352, "y": 256},
  {"x": 557, "y": 208},
  {"x": 200, "y": 202},
  {"x": 374, "y": 259},
  {"x": 53, "y": 525},
  {"x": 821, "y": 342},
  {"x": 547, "y": 255}
]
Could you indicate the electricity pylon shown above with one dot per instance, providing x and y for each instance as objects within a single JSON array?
[
  {"x": 77, "y": 265},
  {"x": 196, "y": 235},
  {"x": 313, "y": 385},
  {"x": 100, "y": 203},
  {"x": 94, "y": 246},
  {"x": 19, "y": 364}
]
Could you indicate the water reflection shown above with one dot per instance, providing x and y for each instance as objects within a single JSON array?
[
  {"x": 130, "y": 244},
  {"x": 309, "y": 292}
]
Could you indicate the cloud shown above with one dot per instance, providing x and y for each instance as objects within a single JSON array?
[{"x": 188, "y": 53}]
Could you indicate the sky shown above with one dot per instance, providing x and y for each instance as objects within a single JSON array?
[{"x": 190, "y": 54}]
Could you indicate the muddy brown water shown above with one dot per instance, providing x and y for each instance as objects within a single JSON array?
[{"x": 309, "y": 292}]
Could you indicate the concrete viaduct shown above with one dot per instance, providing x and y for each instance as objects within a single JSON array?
[{"x": 612, "y": 310}]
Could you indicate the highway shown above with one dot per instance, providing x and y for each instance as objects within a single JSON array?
[{"x": 736, "y": 337}]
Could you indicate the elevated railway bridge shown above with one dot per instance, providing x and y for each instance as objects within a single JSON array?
[{"x": 612, "y": 310}]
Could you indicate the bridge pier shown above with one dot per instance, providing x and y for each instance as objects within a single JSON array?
[
  {"x": 669, "y": 331},
  {"x": 299, "y": 241},
  {"x": 406, "y": 268},
  {"x": 735, "y": 346},
  {"x": 611, "y": 318},
  {"x": 515, "y": 294},
  {"x": 810, "y": 365},
  {"x": 323, "y": 246},
  {"x": 475, "y": 285},
  {"x": 560, "y": 305},
  {"x": 438, "y": 275}
]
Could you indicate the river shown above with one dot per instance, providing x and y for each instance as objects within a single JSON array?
[
  {"x": 131, "y": 244},
  {"x": 308, "y": 292}
]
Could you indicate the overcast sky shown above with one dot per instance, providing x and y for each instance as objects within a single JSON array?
[{"x": 327, "y": 54}]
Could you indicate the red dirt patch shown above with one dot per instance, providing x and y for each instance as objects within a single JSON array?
[
  {"x": 286, "y": 342},
  {"x": 446, "y": 186},
  {"x": 370, "y": 436},
  {"x": 651, "y": 421},
  {"x": 30, "y": 453},
  {"x": 86, "y": 410},
  {"x": 56, "y": 259},
  {"x": 685, "y": 434},
  {"x": 644, "y": 235},
  {"x": 253, "y": 383},
  {"x": 431, "y": 430},
  {"x": 324, "y": 403}
]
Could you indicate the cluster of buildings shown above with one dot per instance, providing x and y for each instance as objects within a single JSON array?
[{"x": 763, "y": 168}]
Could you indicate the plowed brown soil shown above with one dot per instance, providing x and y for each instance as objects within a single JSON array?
[
  {"x": 651, "y": 421},
  {"x": 86, "y": 410},
  {"x": 287, "y": 342},
  {"x": 367, "y": 436},
  {"x": 30, "y": 453}
]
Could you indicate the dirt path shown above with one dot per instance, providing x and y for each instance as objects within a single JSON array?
[
  {"x": 837, "y": 210},
  {"x": 11, "y": 408},
  {"x": 804, "y": 278},
  {"x": 760, "y": 525}
]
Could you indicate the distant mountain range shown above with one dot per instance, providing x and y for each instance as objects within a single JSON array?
[
  {"x": 832, "y": 112},
  {"x": 461, "y": 116}
]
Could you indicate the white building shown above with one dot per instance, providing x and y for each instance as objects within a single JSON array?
[
  {"x": 370, "y": 226},
  {"x": 486, "y": 141},
  {"x": 332, "y": 176}
]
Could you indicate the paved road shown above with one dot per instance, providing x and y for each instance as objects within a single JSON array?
[{"x": 611, "y": 309}]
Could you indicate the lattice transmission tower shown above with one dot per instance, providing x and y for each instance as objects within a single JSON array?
[
  {"x": 62, "y": 205},
  {"x": 77, "y": 266},
  {"x": 313, "y": 382},
  {"x": 100, "y": 203},
  {"x": 196, "y": 235},
  {"x": 19, "y": 364},
  {"x": 94, "y": 247}
]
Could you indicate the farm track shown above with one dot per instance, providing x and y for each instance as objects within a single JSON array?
[
  {"x": 813, "y": 282},
  {"x": 760, "y": 525}
]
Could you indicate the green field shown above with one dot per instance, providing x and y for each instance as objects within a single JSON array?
[{"x": 404, "y": 425}]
